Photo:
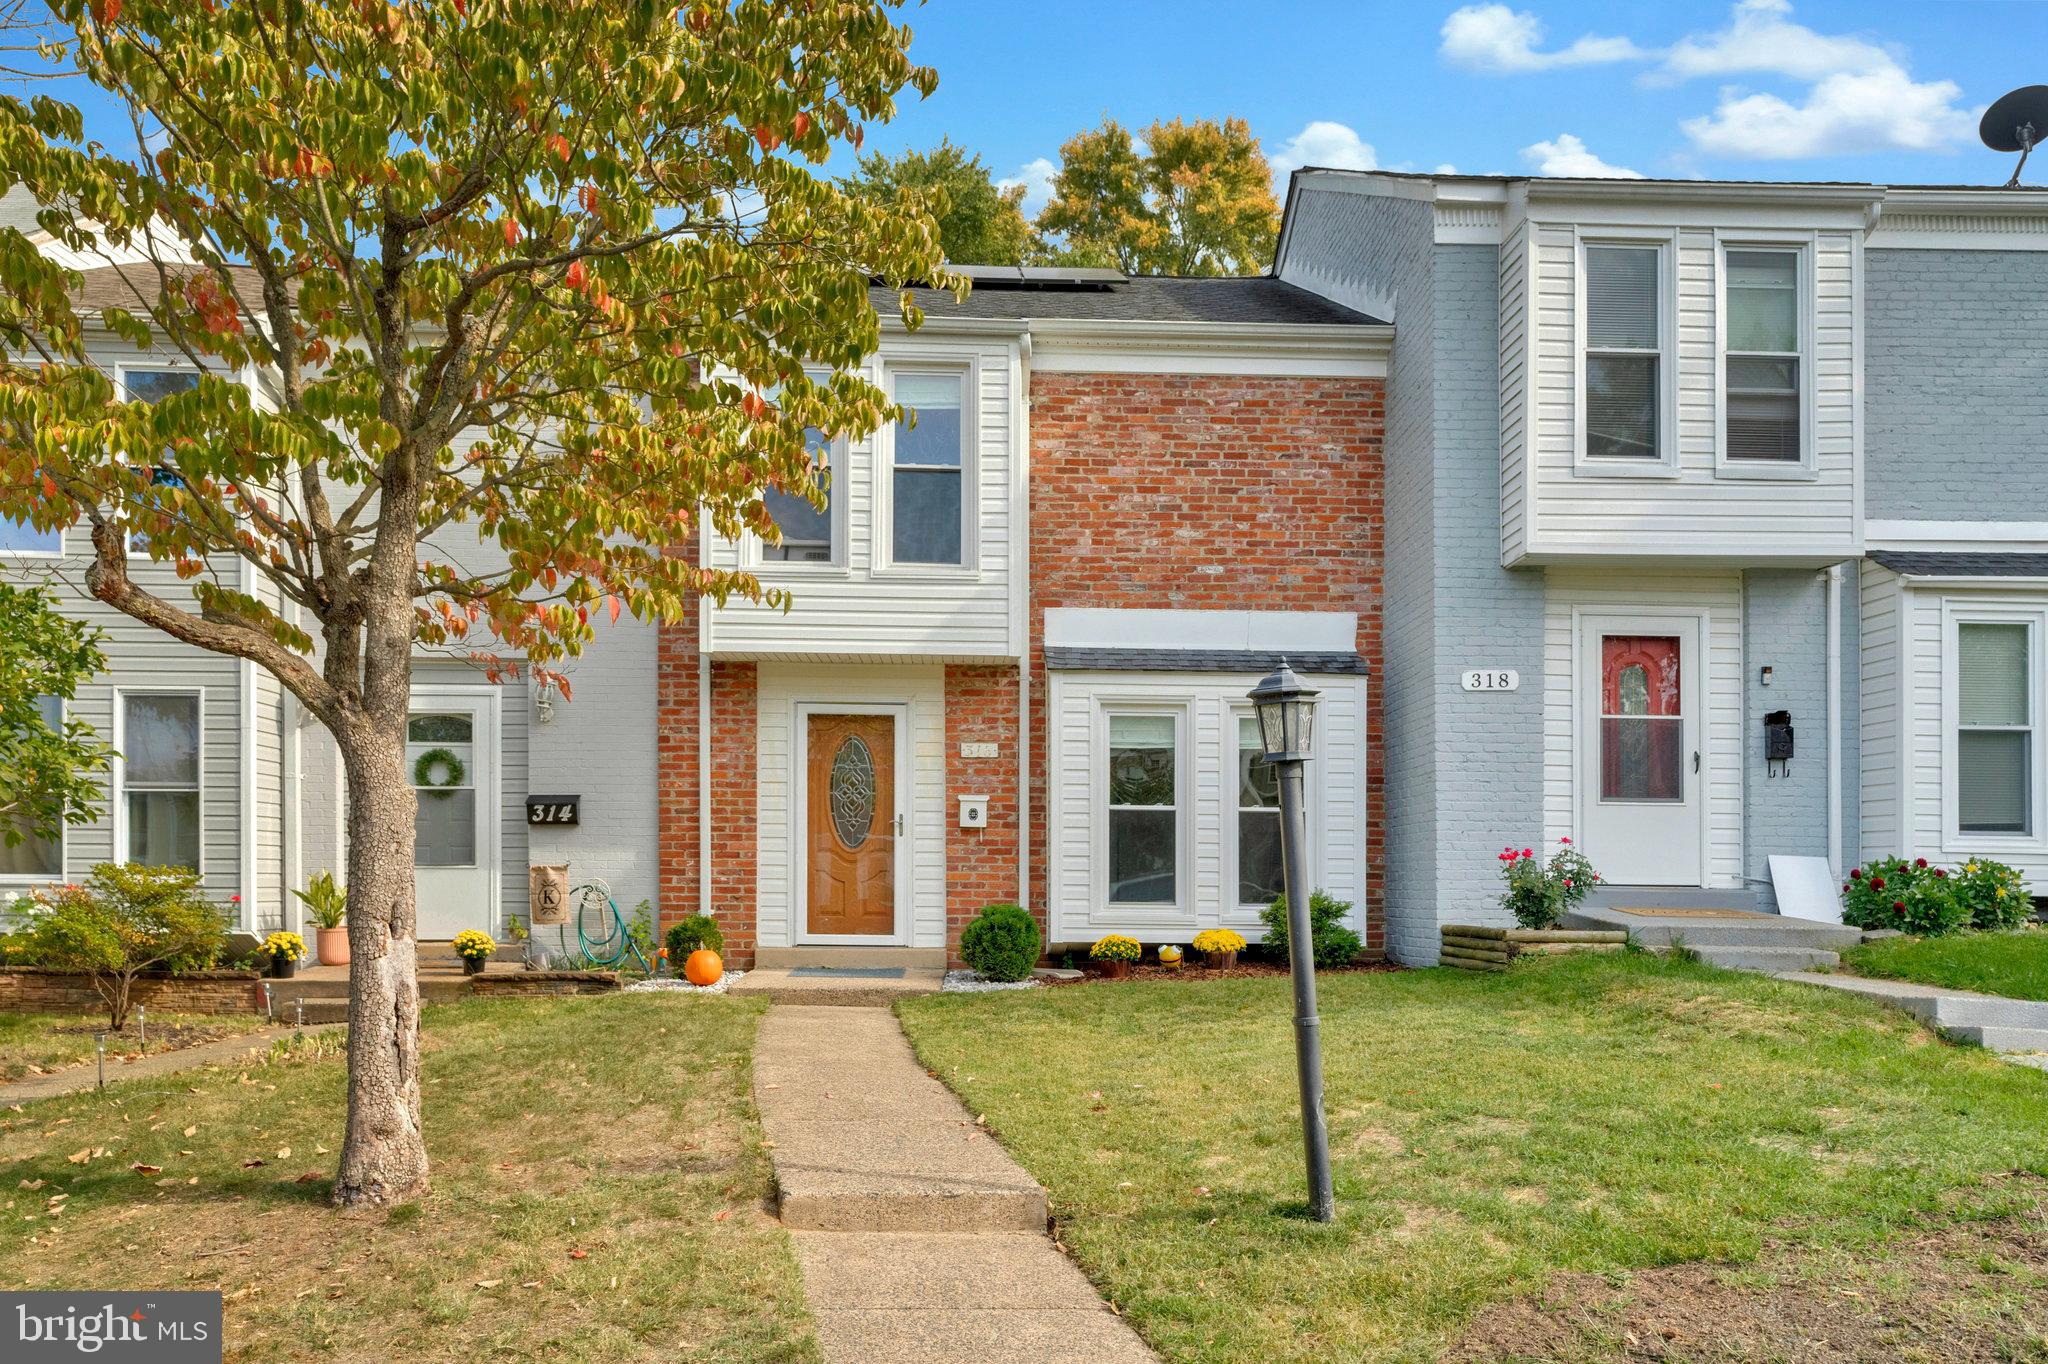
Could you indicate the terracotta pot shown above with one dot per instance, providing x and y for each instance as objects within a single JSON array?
[
  {"x": 1220, "y": 961},
  {"x": 474, "y": 966},
  {"x": 332, "y": 945},
  {"x": 282, "y": 967},
  {"x": 1115, "y": 970}
]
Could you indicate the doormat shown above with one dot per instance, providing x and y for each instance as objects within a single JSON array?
[
  {"x": 1689, "y": 913},
  {"x": 851, "y": 972}
]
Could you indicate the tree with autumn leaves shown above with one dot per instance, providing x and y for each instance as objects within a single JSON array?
[{"x": 455, "y": 270}]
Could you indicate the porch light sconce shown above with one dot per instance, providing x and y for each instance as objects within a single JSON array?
[
  {"x": 544, "y": 706},
  {"x": 1286, "y": 708}
]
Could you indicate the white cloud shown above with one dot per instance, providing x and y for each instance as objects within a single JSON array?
[
  {"x": 1846, "y": 113},
  {"x": 1322, "y": 143},
  {"x": 1447, "y": 169},
  {"x": 1567, "y": 155},
  {"x": 1761, "y": 37},
  {"x": 1496, "y": 38},
  {"x": 1036, "y": 177}
]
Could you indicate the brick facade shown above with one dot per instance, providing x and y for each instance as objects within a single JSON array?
[
  {"x": 1174, "y": 492},
  {"x": 981, "y": 864}
]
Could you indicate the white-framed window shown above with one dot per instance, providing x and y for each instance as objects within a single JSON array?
[
  {"x": 1259, "y": 872},
  {"x": 1996, "y": 677},
  {"x": 1765, "y": 369},
  {"x": 150, "y": 384},
  {"x": 810, "y": 534},
  {"x": 36, "y": 858},
  {"x": 1143, "y": 804},
  {"x": 930, "y": 478},
  {"x": 158, "y": 796},
  {"x": 19, "y": 539},
  {"x": 1626, "y": 363}
]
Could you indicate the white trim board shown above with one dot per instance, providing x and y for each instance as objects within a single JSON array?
[{"x": 1938, "y": 535}]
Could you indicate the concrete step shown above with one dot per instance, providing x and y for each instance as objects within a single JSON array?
[
  {"x": 1949, "y": 1010},
  {"x": 782, "y": 985},
  {"x": 914, "y": 957},
  {"x": 2003, "y": 1039},
  {"x": 1607, "y": 896},
  {"x": 1728, "y": 929},
  {"x": 1772, "y": 959}
]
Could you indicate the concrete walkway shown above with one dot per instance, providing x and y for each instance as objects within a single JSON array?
[
  {"x": 2016, "y": 1027},
  {"x": 920, "y": 1239},
  {"x": 77, "y": 1078}
]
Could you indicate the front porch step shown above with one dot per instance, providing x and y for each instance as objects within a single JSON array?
[
  {"x": 785, "y": 957},
  {"x": 1952, "y": 1011},
  {"x": 1729, "y": 928},
  {"x": 1773, "y": 959},
  {"x": 782, "y": 985}
]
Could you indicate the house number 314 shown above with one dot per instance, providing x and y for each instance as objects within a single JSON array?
[{"x": 1491, "y": 679}]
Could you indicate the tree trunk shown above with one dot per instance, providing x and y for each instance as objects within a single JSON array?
[{"x": 384, "y": 1155}]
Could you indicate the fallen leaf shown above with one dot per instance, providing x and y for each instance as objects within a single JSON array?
[
  {"x": 250, "y": 1164},
  {"x": 488, "y": 1283},
  {"x": 143, "y": 1169},
  {"x": 80, "y": 1156},
  {"x": 723, "y": 1213},
  {"x": 579, "y": 1254},
  {"x": 33, "y": 1183},
  {"x": 310, "y": 1177},
  {"x": 193, "y": 1130},
  {"x": 284, "y": 1153}
]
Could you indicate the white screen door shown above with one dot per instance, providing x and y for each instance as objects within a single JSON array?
[
  {"x": 1640, "y": 768},
  {"x": 450, "y": 755}
]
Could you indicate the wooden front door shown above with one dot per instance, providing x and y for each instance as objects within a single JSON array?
[{"x": 852, "y": 826}]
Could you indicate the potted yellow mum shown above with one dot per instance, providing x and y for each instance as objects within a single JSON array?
[
  {"x": 474, "y": 946},
  {"x": 1115, "y": 954},
  {"x": 284, "y": 951},
  {"x": 1219, "y": 947}
]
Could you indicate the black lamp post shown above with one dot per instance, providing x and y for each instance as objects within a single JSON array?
[{"x": 1287, "y": 711}]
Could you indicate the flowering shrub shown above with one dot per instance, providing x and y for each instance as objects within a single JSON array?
[
  {"x": 1928, "y": 901},
  {"x": 1540, "y": 893},
  {"x": 290, "y": 946},
  {"x": 1116, "y": 947},
  {"x": 124, "y": 920},
  {"x": 1212, "y": 942},
  {"x": 474, "y": 944}
]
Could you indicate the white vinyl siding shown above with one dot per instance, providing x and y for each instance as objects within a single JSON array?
[
  {"x": 1590, "y": 590},
  {"x": 868, "y": 606},
  {"x": 1206, "y": 708},
  {"x": 1881, "y": 712},
  {"x": 1562, "y": 504}
]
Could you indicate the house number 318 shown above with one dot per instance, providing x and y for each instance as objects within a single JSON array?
[{"x": 1491, "y": 679}]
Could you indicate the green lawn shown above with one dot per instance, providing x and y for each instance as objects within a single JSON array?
[
  {"x": 1551, "y": 1130},
  {"x": 33, "y": 1044},
  {"x": 620, "y": 1127},
  {"x": 2013, "y": 964}
]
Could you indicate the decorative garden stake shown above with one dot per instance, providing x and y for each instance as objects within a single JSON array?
[
  {"x": 99, "y": 1042},
  {"x": 1286, "y": 709},
  {"x": 142, "y": 1023}
]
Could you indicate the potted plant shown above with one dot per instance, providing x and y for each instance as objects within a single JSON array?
[
  {"x": 328, "y": 903},
  {"x": 1115, "y": 954},
  {"x": 284, "y": 952},
  {"x": 1219, "y": 947},
  {"x": 474, "y": 946}
]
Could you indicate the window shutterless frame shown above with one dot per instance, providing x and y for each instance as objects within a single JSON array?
[
  {"x": 2034, "y": 619},
  {"x": 16, "y": 880},
  {"x": 125, "y": 377},
  {"x": 1585, "y": 355},
  {"x": 1236, "y": 909},
  {"x": 1801, "y": 247},
  {"x": 1108, "y": 711},
  {"x": 119, "y": 786},
  {"x": 885, "y": 467},
  {"x": 757, "y": 556}
]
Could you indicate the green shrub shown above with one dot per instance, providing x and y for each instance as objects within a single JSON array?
[
  {"x": 1538, "y": 894},
  {"x": 640, "y": 931},
  {"x": 124, "y": 920},
  {"x": 1912, "y": 897},
  {"x": 1002, "y": 943},
  {"x": 1331, "y": 943},
  {"x": 1995, "y": 894},
  {"x": 688, "y": 935}
]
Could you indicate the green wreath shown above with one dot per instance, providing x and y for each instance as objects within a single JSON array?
[{"x": 423, "y": 769}]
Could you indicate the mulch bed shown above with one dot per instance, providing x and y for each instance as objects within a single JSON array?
[{"x": 1244, "y": 970}]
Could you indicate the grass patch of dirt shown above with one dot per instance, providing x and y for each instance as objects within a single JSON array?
[
  {"x": 43, "y": 1044},
  {"x": 597, "y": 1195}
]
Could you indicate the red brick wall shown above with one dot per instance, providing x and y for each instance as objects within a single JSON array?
[
  {"x": 1196, "y": 493},
  {"x": 981, "y": 864}
]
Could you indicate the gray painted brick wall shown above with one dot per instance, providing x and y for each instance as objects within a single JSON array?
[
  {"x": 1954, "y": 402},
  {"x": 1784, "y": 623}
]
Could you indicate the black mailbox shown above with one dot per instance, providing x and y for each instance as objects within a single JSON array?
[{"x": 1778, "y": 736}]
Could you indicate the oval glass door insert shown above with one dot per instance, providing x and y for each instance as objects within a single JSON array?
[{"x": 853, "y": 791}]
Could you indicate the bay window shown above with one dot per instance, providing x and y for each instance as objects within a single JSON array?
[
  {"x": 928, "y": 487},
  {"x": 1995, "y": 709},
  {"x": 1763, "y": 360},
  {"x": 1259, "y": 873},
  {"x": 159, "y": 773},
  {"x": 1144, "y": 809},
  {"x": 1624, "y": 352}
]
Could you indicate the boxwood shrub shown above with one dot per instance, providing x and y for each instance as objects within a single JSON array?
[{"x": 1002, "y": 943}]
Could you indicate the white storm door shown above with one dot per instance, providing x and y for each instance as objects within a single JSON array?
[
  {"x": 451, "y": 747},
  {"x": 1640, "y": 764}
]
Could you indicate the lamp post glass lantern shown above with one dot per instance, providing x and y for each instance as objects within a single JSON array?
[{"x": 1287, "y": 709}]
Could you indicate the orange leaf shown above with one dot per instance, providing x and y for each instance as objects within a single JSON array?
[
  {"x": 613, "y": 602},
  {"x": 579, "y": 1254},
  {"x": 560, "y": 146},
  {"x": 511, "y": 232}
]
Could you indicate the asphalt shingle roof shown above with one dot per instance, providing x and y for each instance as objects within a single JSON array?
[
  {"x": 1074, "y": 658},
  {"x": 135, "y": 287},
  {"x": 1140, "y": 298},
  {"x": 1963, "y": 563}
]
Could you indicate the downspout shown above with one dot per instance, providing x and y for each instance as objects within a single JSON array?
[
  {"x": 1833, "y": 577},
  {"x": 1020, "y": 511},
  {"x": 703, "y": 765}
]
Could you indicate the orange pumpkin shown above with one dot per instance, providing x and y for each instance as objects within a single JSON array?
[{"x": 704, "y": 967}]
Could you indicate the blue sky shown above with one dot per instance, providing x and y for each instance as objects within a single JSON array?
[
  {"x": 1761, "y": 89},
  {"x": 1764, "y": 89}
]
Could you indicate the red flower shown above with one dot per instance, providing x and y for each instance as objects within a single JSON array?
[
  {"x": 1565, "y": 841},
  {"x": 1845, "y": 887},
  {"x": 1527, "y": 853},
  {"x": 1899, "y": 905},
  {"x": 1920, "y": 862},
  {"x": 1940, "y": 875},
  {"x": 1855, "y": 873},
  {"x": 1877, "y": 883}
]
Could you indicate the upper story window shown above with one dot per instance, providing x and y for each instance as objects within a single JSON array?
[
  {"x": 809, "y": 533},
  {"x": 1995, "y": 752},
  {"x": 1763, "y": 363},
  {"x": 35, "y": 858},
  {"x": 159, "y": 773},
  {"x": 150, "y": 386},
  {"x": 928, "y": 477},
  {"x": 1625, "y": 363}
]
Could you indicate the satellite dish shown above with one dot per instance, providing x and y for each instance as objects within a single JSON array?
[{"x": 2018, "y": 122}]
